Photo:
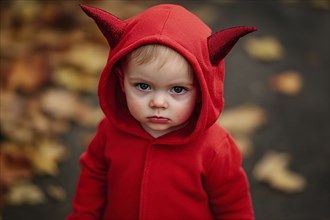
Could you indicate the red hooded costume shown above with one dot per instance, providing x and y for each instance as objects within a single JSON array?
[{"x": 191, "y": 173}]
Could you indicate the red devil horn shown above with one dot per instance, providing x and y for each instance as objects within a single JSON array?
[
  {"x": 111, "y": 26},
  {"x": 221, "y": 42}
]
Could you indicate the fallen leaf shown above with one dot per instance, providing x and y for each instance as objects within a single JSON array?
[
  {"x": 264, "y": 48},
  {"x": 28, "y": 73},
  {"x": 88, "y": 116},
  {"x": 73, "y": 108},
  {"x": 80, "y": 56},
  {"x": 15, "y": 165},
  {"x": 12, "y": 106},
  {"x": 25, "y": 193},
  {"x": 273, "y": 169},
  {"x": 41, "y": 123},
  {"x": 72, "y": 79},
  {"x": 46, "y": 155},
  {"x": 288, "y": 83},
  {"x": 18, "y": 131},
  {"x": 59, "y": 103},
  {"x": 14, "y": 125},
  {"x": 56, "y": 192},
  {"x": 243, "y": 120}
]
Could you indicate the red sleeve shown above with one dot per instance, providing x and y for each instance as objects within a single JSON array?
[
  {"x": 90, "y": 198},
  {"x": 227, "y": 184}
]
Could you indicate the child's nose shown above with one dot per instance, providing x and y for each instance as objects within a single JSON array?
[{"x": 158, "y": 101}]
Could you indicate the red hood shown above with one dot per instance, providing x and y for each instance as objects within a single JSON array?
[{"x": 174, "y": 26}]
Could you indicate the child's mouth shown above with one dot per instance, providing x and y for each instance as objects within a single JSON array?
[{"x": 158, "y": 119}]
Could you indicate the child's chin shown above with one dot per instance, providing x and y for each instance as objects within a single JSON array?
[{"x": 160, "y": 128}]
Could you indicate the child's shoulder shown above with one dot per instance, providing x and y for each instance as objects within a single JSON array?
[
  {"x": 216, "y": 133},
  {"x": 105, "y": 126},
  {"x": 218, "y": 140}
]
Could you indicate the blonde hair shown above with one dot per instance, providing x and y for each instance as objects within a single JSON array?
[{"x": 156, "y": 52}]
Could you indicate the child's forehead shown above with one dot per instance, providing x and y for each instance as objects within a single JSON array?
[
  {"x": 167, "y": 73},
  {"x": 151, "y": 52},
  {"x": 161, "y": 64},
  {"x": 159, "y": 54}
]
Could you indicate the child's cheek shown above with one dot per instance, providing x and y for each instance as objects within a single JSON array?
[
  {"x": 136, "y": 107},
  {"x": 184, "y": 110}
]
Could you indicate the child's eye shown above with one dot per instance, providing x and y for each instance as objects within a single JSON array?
[
  {"x": 142, "y": 86},
  {"x": 178, "y": 90}
]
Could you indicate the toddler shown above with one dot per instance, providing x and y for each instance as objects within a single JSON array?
[{"x": 159, "y": 153}]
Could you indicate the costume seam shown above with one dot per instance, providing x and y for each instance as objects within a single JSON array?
[{"x": 165, "y": 22}]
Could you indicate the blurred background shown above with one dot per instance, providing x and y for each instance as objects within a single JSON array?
[{"x": 276, "y": 91}]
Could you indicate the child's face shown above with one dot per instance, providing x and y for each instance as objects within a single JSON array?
[{"x": 162, "y": 98}]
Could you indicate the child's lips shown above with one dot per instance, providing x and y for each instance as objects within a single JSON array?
[{"x": 158, "y": 119}]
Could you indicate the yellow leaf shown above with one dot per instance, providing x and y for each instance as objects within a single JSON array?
[
  {"x": 88, "y": 116},
  {"x": 56, "y": 192},
  {"x": 243, "y": 120},
  {"x": 273, "y": 169},
  {"x": 59, "y": 103},
  {"x": 46, "y": 155},
  {"x": 74, "y": 80},
  {"x": 25, "y": 193},
  {"x": 264, "y": 48},
  {"x": 288, "y": 82},
  {"x": 89, "y": 57}
]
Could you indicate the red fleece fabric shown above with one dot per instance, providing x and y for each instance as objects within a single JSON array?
[{"x": 191, "y": 173}]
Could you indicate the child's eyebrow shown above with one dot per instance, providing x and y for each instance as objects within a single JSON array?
[
  {"x": 134, "y": 77},
  {"x": 180, "y": 83},
  {"x": 138, "y": 79},
  {"x": 173, "y": 83}
]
